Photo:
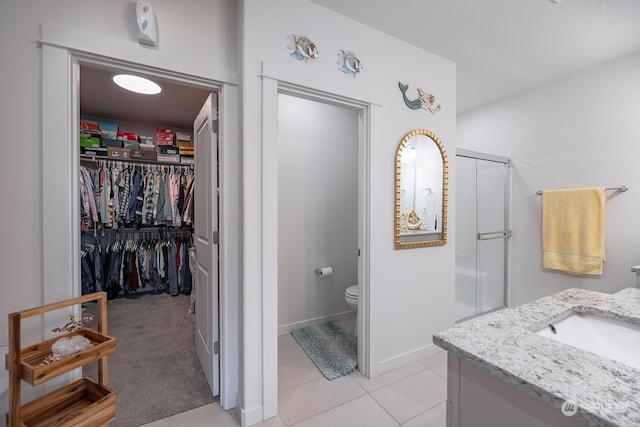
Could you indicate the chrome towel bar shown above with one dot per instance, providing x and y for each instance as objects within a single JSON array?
[{"x": 621, "y": 189}]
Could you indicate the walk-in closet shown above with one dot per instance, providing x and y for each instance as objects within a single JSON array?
[{"x": 140, "y": 203}]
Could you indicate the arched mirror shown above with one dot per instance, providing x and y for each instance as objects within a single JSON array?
[{"x": 421, "y": 184}]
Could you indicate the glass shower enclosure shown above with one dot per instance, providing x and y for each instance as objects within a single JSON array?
[{"x": 482, "y": 233}]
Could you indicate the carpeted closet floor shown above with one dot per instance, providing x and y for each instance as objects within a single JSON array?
[{"x": 154, "y": 371}]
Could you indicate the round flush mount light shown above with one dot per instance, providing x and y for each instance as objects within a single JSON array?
[{"x": 136, "y": 84}]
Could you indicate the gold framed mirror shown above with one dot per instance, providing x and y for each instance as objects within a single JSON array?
[{"x": 421, "y": 191}]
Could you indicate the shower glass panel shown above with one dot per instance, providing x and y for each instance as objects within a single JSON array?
[{"x": 482, "y": 211}]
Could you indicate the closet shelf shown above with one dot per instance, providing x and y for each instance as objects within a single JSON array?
[
  {"x": 95, "y": 159},
  {"x": 35, "y": 374},
  {"x": 83, "y": 403}
]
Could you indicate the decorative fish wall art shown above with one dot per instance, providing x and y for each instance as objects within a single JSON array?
[
  {"x": 302, "y": 47},
  {"x": 348, "y": 62},
  {"x": 425, "y": 100}
]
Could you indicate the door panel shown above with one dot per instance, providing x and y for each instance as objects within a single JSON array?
[
  {"x": 491, "y": 220},
  {"x": 206, "y": 222},
  {"x": 481, "y": 235}
]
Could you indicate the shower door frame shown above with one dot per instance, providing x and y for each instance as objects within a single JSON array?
[{"x": 507, "y": 223}]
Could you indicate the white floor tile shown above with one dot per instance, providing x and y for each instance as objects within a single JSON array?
[
  {"x": 271, "y": 422},
  {"x": 289, "y": 352},
  {"x": 361, "y": 412},
  {"x": 409, "y": 397},
  {"x": 434, "y": 417},
  {"x": 298, "y": 372},
  {"x": 434, "y": 359},
  {"x": 285, "y": 339},
  {"x": 302, "y": 402},
  {"x": 388, "y": 377},
  {"x": 207, "y": 415}
]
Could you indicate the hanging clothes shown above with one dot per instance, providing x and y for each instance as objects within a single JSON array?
[
  {"x": 136, "y": 261},
  {"x": 123, "y": 195}
]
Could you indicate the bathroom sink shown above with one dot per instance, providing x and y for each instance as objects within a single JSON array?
[{"x": 605, "y": 337}]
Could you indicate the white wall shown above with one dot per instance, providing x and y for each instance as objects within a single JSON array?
[
  {"x": 197, "y": 40},
  {"x": 411, "y": 291},
  {"x": 317, "y": 209},
  {"x": 578, "y": 131}
]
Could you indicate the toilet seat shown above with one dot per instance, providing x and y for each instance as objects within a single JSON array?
[{"x": 352, "y": 291}]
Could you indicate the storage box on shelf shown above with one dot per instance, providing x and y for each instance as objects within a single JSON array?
[{"x": 81, "y": 403}]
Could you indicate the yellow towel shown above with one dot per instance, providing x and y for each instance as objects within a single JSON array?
[{"x": 573, "y": 230}]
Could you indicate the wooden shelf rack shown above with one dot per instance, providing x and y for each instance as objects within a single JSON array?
[{"x": 81, "y": 403}]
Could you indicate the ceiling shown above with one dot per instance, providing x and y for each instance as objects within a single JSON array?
[
  {"x": 500, "y": 47},
  {"x": 175, "y": 107}
]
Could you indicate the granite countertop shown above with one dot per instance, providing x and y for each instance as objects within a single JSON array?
[{"x": 506, "y": 345}]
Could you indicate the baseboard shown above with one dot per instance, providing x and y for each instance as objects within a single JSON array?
[
  {"x": 285, "y": 329},
  {"x": 403, "y": 359},
  {"x": 249, "y": 416}
]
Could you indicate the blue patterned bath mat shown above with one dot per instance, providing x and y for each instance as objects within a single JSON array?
[{"x": 333, "y": 350}]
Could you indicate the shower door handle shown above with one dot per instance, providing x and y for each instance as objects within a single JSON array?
[{"x": 505, "y": 234}]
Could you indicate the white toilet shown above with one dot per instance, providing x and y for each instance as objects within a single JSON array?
[{"x": 351, "y": 297}]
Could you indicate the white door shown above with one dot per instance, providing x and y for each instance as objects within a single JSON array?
[{"x": 206, "y": 241}]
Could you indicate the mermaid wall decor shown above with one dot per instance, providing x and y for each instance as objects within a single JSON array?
[{"x": 425, "y": 101}]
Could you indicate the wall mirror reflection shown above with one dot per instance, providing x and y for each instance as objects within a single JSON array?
[{"x": 421, "y": 184}]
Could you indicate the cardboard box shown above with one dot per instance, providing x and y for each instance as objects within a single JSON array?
[
  {"x": 111, "y": 134},
  {"x": 94, "y": 152},
  {"x": 108, "y": 142},
  {"x": 131, "y": 145},
  {"x": 127, "y": 136},
  {"x": 144, "y": 155},
  {"x": 182, "y": 143},
  {"x": 111, "y": 127},
  {"x": 167, "y": 149},
  {"x": 118, "y": 153},
  {"x": 144, "y": 146},
  {"x": 90, "y": 133},
  {"x": 90, "y": 142},
  {"x": 188, "y": 151},
  {"x": 169, "y": 158},
  {"x": 183, "y": 136},
  {"x": 89, "y": 125},
  {"x": 145, "y": 139}
]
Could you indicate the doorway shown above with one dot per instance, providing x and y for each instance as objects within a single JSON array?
[
  {"x": 271, "y": 88},
  {"x": 317, "y": 210},
  {"x": 152, "y": 293},
  {"x": 482, "y": 233},
  {"x": 61, "y": 193}
]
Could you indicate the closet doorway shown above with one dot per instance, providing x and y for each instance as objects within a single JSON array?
[{"x": 163, "y": 290}]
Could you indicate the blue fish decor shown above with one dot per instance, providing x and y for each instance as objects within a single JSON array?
[
  {"x": 302, "y": 48},
  {"x": 425, "y": 101},
  {"x": 348, "y": 63}
]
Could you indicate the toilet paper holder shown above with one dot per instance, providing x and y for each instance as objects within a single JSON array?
[{"x": 324, "y": 271}]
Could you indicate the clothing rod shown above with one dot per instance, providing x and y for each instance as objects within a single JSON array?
[
  {"x": 621, "y": 189},
  {"x": 93, "y": 159},
  {"x": 159, "y": 230}
]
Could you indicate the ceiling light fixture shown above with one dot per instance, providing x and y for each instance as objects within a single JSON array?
[{"x": 136, "y": 84}]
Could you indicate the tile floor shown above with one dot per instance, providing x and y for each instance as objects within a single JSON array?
[{"x": 410, "y": 396}]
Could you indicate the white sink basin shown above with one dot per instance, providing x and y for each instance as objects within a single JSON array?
[{"x": 605, "y": 337}]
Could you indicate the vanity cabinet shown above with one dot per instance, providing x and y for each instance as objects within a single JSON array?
[
  {"x": 82, "y": 403},
  {"x": 476, "y": 398}
]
